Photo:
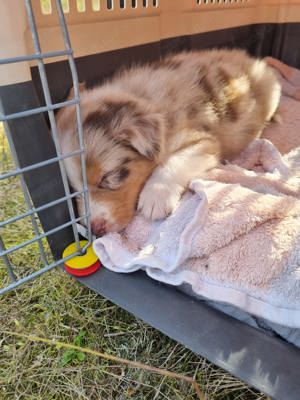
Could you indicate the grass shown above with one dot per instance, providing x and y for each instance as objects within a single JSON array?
[{"x": 55, "y": 306}]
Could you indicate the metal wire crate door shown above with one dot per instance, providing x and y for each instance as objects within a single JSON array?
[{"x": 26, "y": 171}]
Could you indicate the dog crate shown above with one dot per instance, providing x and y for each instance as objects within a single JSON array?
[{"x": 47, "y": 46}]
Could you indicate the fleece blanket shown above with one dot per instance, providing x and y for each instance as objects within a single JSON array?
[{"x": 235, "y": 236}]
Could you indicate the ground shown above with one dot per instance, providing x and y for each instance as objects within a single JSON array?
[{"x": 57, "y": 307}]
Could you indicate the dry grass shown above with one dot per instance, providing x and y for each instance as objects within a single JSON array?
[{"x": 55, "y": 306}]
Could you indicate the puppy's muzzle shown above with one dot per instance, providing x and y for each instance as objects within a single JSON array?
[{"x": 99, "y": 227}]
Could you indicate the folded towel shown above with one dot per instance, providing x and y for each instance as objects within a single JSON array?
[{"x": 235, "y": 236}]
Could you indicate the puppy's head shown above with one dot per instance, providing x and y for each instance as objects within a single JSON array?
[{"x": 123, "y": 142}]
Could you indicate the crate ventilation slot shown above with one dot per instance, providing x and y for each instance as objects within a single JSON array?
[{"x": 81, "y": 6}]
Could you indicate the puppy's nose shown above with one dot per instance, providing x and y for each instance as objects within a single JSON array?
[{"x": 99, "y": 227}]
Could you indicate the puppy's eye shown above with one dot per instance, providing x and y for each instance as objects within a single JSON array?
[{"x": 114, "y": 180}]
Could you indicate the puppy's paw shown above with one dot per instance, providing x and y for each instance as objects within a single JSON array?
[{"x": 158, "y": 200}]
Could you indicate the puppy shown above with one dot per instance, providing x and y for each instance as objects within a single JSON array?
[{"x": 152, "y": 129}]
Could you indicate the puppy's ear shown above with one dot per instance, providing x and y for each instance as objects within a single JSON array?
[
  {"x": 139, "y": 127},
  {"x": 144, "y": 133}
]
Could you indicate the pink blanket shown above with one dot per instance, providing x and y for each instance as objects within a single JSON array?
[{"x": 235, "y": 237}]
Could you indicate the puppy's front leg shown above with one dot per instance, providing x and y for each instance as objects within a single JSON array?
[
  {"x": 166, "y": 185},
  {"x": 161, "y": 193}
]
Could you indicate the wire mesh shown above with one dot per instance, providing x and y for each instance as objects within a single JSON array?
[{"x": 29, "y": 212}]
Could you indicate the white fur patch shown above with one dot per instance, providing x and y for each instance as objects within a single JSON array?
[
  {"x": 101, "y": 211},
  {"x": 163, "y": 190},
  {"x": 160, "y": 196}
]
